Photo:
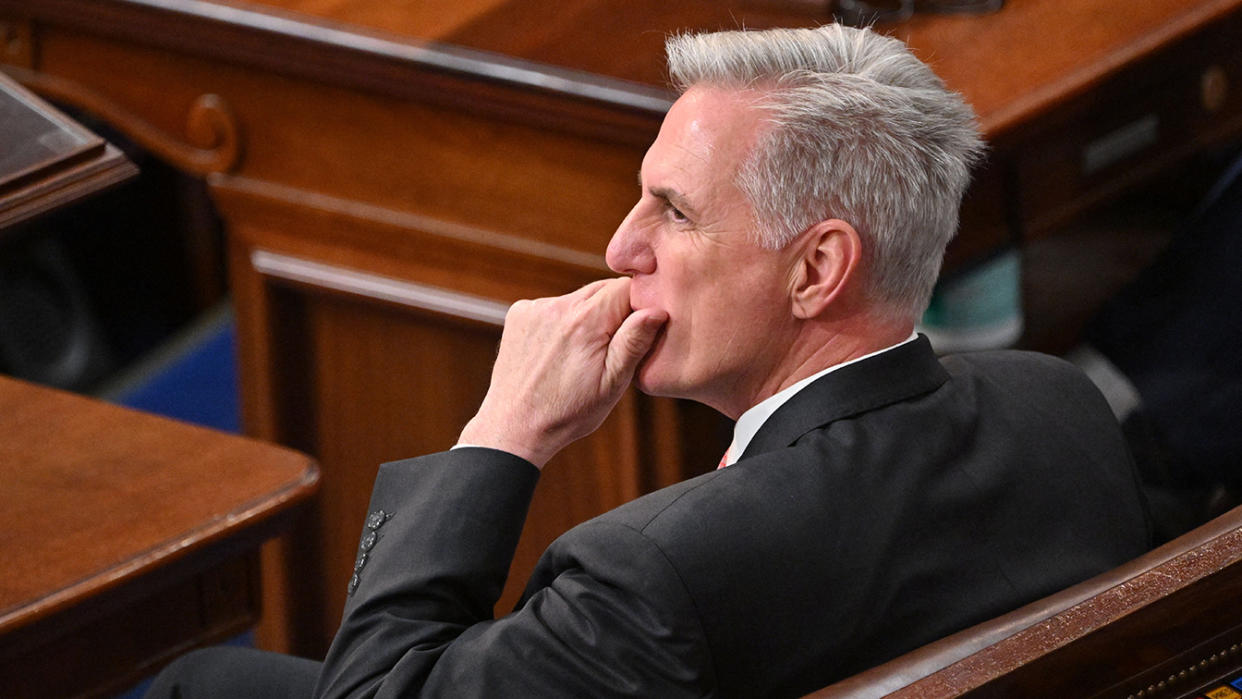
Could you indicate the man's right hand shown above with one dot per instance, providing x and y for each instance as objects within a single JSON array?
[{"x": 562, "y": 366}]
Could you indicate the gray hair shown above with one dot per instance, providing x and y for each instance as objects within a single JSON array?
[{"x": 862, "y": 131}]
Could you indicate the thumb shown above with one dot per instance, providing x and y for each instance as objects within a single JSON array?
[{"x": 631, "y": 343}]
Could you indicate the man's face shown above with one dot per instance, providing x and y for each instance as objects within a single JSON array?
[{"x": 688, "y": 244}]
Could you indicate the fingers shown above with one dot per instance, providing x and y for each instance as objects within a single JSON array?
[
  {"x": 631, "y": 333},
  {"x": 589, "y": 290},
  {"x": 631, "y": 343},
  {"x": 610, "y": 295},
  {"x": 587, "y": 294},
  {"x": 562, "y": 364}
]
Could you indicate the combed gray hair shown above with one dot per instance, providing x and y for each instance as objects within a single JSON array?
[{"x": 863, "y": 131}]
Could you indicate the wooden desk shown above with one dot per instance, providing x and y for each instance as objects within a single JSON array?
[
  {"x": 47, "y": 160},
  {"x": 126, "y": 538},
  {"x": 393, "y": 175}
]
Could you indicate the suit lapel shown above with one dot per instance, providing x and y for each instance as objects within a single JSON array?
[{"x": 894, "y": 376}]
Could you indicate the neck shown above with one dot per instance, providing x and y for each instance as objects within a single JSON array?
[{"x": 818, "y": 346}]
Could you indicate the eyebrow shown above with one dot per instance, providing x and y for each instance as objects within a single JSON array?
[{"x": 672, "y": 196}]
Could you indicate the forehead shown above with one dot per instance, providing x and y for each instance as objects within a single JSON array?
[{"x": 707, "y": 133}]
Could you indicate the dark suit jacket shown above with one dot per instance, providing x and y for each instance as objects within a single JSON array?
[{"x": 888, "y": 504}]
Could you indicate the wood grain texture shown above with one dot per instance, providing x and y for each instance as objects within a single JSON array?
[
  {"x": 1051, "y": 50},
  {"x": 95, "y": 494},
  {"x": 105, "y": 512}
]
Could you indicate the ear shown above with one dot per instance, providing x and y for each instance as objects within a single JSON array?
[{"x": 830, "y": 257}]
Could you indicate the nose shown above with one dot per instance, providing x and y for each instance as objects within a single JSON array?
[{"x": 629, "y": 252}]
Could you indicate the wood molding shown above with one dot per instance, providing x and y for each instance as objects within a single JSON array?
[
  {"x": 355, "y": 57},
  {"x": 215, "y": 138},
  {"x": 1166, "y": 582},
  {"x": 72, "y": 163},
  {"x": 375, "y": 287},
  {"x": 371, "y": 215},
  {"x": 95, "y": 175},
  {"x": 1045, "y": 638}
]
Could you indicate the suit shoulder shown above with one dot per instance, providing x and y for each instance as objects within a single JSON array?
[
  {"x": 1010, "y": 360},
  {"x": 1030, "y": 373}
]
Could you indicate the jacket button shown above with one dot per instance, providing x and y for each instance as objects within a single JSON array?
[{"x": 376, "y": 519}]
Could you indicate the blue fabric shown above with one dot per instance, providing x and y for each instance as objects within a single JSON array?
[{"x": 200, "y": 386}]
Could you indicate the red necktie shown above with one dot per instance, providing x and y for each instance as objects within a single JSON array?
[{"x": 724, "y": 459}]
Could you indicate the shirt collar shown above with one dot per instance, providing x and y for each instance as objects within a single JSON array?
[{"x": 751, "y": 420}]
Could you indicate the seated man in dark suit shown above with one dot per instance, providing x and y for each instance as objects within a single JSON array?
[{"x": 792, "y": 218}]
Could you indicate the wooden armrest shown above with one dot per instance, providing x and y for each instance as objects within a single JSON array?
[{"x": 1143, "y": 602}]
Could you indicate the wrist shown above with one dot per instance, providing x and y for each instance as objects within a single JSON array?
[{"x": 481, "y": 433}]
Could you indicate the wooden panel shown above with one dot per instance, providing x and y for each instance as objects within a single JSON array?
[
  {"x": 1021, "y": 64},
  {"x": 1169, "y": 636},
  {"x": 99, "y": 655},
  {"x": 349, "y": 358},
  {"x": 487, "y": 84},
  {"x": 380, "y": 377},
  {"x": 399, "y": 155}
]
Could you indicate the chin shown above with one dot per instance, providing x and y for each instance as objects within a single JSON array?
[
  {"x": 645, "y": 381},
  {"x": 650, "y": 378},
  {"x": 661, "y": 379},
  {"x": 662, "y": 372}
]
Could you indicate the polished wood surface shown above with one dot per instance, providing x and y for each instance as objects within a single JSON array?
[
  {"x": 125, "y": 537},
  {"x": 1050, "y": 51},
  {"x": 47, "y": 160},
  {"x": 392, "y": 175},
  {"x": 1162, "y": 625}
]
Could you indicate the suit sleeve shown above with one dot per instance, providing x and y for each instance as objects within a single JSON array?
[{"x": 609, "y": 617}]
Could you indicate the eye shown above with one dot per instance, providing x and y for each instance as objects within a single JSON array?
[{"x": 675, "y": 215}]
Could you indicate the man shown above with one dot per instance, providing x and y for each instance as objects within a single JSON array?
[{"x": 793, "y": 213}]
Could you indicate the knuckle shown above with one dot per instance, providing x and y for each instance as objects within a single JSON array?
[{"x": 517, "y": 309}]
